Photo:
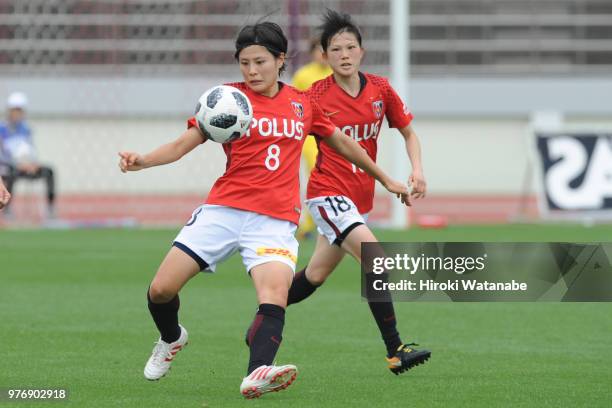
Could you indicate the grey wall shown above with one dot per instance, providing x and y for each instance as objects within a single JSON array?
[
  {"x": 444, "y": 96},
  {"x": 474, "y": 132}
]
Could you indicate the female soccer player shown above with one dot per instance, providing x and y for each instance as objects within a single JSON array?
[
  {"x": 340, "y": 194},
  {"x": 253, "y": 208}
]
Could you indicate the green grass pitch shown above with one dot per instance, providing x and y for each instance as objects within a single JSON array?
[{"x": 73, "y": 314}]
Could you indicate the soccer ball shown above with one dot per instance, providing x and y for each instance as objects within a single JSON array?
[{"x": 223, "y": 114}]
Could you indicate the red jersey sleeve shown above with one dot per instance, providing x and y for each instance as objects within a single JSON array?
[
  {"x": 321, "y": 125},
  {"x": 191, "y": 122},
  {"x": 397, "y": 113}
]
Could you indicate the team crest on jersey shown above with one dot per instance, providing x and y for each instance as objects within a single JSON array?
[
  {"x": 298, "y": 109},
  {"x": 378, "y": 108}
]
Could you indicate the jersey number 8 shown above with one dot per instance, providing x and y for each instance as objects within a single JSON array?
[{"x": 273, "y": 159}]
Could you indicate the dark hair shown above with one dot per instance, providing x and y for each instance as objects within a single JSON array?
[
  {"x": 265, "y": 33},
  {"x": 335, "y": 23}
]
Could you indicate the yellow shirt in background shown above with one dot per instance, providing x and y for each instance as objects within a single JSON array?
[
  {"x": 302, "y": 80},
  {"x": 309, "y": 74}
]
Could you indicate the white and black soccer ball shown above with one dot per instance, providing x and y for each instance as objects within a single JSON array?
[{"x": 223, "y": 113}]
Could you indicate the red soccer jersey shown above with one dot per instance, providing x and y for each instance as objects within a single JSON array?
[
  {"x": 360, "y": 118},
  {"x": 262, "y": 170}
]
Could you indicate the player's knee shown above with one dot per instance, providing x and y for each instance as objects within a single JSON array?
[
  {"x": 160, "y": 293},
  {"x": 317, "y": 275},
  {"x": 276, "y": 295}
]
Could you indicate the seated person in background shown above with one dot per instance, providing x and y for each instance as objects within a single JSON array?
[{"x": 17, "y": 153}]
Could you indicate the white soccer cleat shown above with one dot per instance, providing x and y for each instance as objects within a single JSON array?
[
  {"x": 267, "y": 379},
  {"x": 162, "y": 356}
]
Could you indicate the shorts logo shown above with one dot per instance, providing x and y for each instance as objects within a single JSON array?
[
  {"x": 276, "y": 251},
  {"x": 298, "y": 109},
  {"x": 377, "y": 106}
]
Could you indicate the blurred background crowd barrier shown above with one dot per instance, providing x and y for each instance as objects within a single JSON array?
[{"x": 109, "y": 75}]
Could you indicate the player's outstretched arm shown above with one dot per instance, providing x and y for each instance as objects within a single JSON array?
[
  {"x": 5, "y": 196},
  {"x": 351, "y": 151},
  {"x": 413, "y": 148},
  {"x": 164, "y": 154}
]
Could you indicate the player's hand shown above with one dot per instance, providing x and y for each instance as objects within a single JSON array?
[
  {"x": 400, "y": 190},
  {"x": 130, "y": 161},
  {"x": 419, "y": 186},
  {"x": 405, "y": 199},
  {"x": 5, "y": 196}
]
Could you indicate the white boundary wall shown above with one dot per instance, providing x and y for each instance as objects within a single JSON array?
[
  {"x": 461, "y": 155},
  {"x": 473, "y": 131}
]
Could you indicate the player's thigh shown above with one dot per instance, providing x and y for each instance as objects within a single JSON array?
[
  {"x": 352, "y": 242},
  {"x": 174, "y": 272},
  {"x": 324, "y": 260},
  {"x": 265, "y": 239},
  {"x": 269, "y": 252},
  {"x": 272, "y": 281},
  {"x": 211, "y": 235}
]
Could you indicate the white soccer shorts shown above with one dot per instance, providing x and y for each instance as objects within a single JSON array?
[
  {"x": 215, "y": 232},
  {"x": 335, "y": 216}
]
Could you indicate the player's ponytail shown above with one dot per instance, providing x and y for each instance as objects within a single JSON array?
[
  {"x": 335, "y": 23},
  {"x": 265, "y": 33}
]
